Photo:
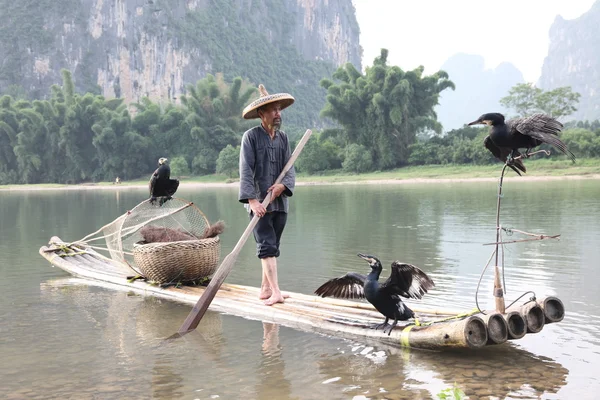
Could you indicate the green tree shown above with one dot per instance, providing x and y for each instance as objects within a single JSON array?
[
  {"x": 179, "y": 167},
  {"x": 384, "y": 109},
  {"x": 228, "y": 161},
  {"x": 319, "y": 154},
  {"x": 357, "y": 159},
  {"x": 214, "y": 119},
  {"x": 526, "y": 99},
  {"x": 582, "y": 141}
]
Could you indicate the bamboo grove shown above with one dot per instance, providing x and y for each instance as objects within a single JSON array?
[{"x": 378, "y": 120}]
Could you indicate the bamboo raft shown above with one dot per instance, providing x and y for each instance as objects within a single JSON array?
[{"x": 349, "y": 319}]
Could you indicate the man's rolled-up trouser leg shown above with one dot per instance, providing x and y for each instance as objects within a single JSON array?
[{"x": 267, "y": 233}]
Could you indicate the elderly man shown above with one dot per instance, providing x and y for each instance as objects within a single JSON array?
[{"x": 265, "y": 151}]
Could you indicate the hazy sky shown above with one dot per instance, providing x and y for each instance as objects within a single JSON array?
[{"x": 428, "y": 32}]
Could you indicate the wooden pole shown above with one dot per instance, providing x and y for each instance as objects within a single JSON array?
[
  {"x": 498, "y": 291},
  {"x": 194, "y": 317}
]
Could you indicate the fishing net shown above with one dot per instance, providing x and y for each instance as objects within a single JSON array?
[{"x": 164, "y": 241}]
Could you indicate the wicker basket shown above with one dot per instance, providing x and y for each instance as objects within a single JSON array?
[{"x": 182, "y": 261}]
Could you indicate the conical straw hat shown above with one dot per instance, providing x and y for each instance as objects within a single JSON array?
[{"x": 251, "y": 110}]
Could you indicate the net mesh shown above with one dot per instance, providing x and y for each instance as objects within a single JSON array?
[{"x": 175, "y": 220}]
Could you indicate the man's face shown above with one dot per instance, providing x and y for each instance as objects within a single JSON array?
[{"x": 271, "y": 115}]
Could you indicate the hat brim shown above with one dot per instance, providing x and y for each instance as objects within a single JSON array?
[{"x": 251, "y": 111}]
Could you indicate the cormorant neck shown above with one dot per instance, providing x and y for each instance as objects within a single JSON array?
[{"x": 374, "y": 274}]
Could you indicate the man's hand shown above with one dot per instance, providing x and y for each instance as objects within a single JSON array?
[
  {"x": 257, "y": 208},
  {"x": 276, "y": 190}
]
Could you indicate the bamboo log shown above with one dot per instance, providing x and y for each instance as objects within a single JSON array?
[
  {"x": 470, "y": 332},
  {"x": 343, "y": 303},
  {"x": 553, "y": 308},
  {"x": 533, "y": 314},
  {"x": 516, "y": 324},
  {"x": 497, "y": 328}
]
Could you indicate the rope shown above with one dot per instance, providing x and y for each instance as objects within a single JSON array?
[{"x": 457, "y": 316}]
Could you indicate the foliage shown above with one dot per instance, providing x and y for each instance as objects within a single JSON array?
[
  {"x": 71, "y": 138},
  {"x": 228, "y": 161},
  {"x": 213, "y": 111},
  {"x": 526, "y": 99},
  {"x": 459, "y": 146},
  {"x": 319, "y": 154},
  {"x": 582, "y": 142},
  {"x": 589, "y": 125},
  {"x": 384, "y": 109},
  {"x": 357, "y": 159},
  {"x": 179, "y": 166},
  {"x": 453, "y": 393}
]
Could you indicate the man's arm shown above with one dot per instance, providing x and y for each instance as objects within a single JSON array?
[{"x": 247, "y": 161}]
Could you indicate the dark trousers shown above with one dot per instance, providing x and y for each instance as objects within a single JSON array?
[{"x": 267, "y": 233}]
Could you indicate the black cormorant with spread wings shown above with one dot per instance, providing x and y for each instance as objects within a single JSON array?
[
  {"x": 405, "y": 280},
  {"x": 506, "y": 138},
  {"x": 161, "y": 185}
]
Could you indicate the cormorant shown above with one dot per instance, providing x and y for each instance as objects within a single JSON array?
[
  {"x": 505, "y": 139},
  {"x": 405, "y": 280},
  {"x": 161, "y": 185}
]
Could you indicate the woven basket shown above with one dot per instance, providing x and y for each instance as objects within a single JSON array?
[{"x": 182, "y": 261}]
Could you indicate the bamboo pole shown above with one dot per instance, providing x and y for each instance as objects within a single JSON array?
[
  {"x": 470, "y": 332},
  {"x": 347, "y": 305},
  {"x": 553, "y": 308},
  {"x": 497, "y": 328},
  {"x": 498, "y": 291},
  {"x": 533, "y": 314},
  {"x": 516, "y": 324}
]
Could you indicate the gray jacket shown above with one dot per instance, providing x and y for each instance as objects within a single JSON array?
[{"x": 261, "y": 162}]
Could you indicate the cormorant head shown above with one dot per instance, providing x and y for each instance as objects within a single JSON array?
[
  {"x": 162, "y": 161},
  {"x": 490, "y": 119},
  {"x": 372, "y": 260}
]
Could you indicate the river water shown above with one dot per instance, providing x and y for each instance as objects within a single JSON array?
[{"x": 62, "y": 339}]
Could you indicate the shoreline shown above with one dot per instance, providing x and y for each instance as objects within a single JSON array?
[{"x": 398, "y": 181}]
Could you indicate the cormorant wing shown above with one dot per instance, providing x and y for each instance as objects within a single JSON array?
[
  {"x": 349, "y": 286},
  {"x": 502, "y": 153},
  {"x": 541, "y": 127},
  {"x": 407, "y": 280},
  {"x": 152, "y": 183}
]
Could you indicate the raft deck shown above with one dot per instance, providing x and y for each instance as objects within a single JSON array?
[{"x": 348, "y": 319}]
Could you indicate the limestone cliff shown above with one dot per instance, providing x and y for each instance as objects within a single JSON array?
[
  {"x": 154, "y": 48},
  {"x": 573, "y": 60}
]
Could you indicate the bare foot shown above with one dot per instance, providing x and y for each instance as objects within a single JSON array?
[
  {"x": 265, "y": 293},
  {"x": 274, "y": 299}
]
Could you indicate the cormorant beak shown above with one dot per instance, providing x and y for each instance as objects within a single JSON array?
[
  {"x": 482, "y": 122},
  {"x": 366, "y": 257},
  {"x": 370, "y": 259}
]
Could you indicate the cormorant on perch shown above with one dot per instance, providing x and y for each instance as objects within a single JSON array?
[
  {"x": 161, "y": 185},
  {"x": 505, "y": 139},
  {"x": 405, "y": 280}
]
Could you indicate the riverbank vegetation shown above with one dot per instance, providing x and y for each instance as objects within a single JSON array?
[{"x": 384, "y": 118}]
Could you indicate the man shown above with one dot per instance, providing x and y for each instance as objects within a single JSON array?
[{"x": 265, "y": 151}]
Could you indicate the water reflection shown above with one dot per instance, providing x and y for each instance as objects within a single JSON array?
[
  {"x": 380, "y": 371},
  {"x": 272, "y": 383}
]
